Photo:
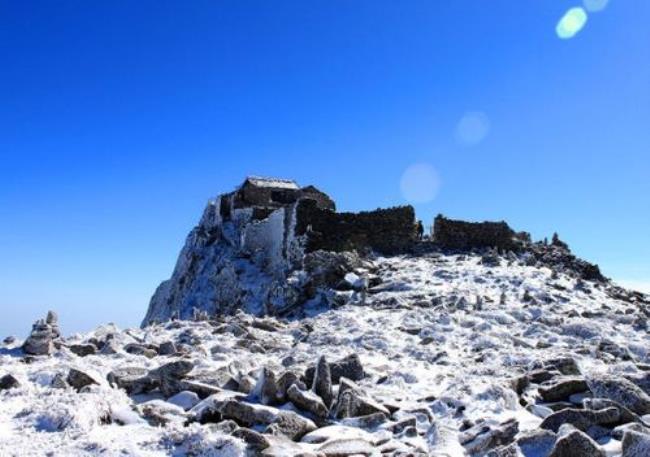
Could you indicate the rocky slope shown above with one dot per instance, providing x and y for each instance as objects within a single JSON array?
[
  {"x": 479, "y": 342},
  {"x": 444, "y": 355}
]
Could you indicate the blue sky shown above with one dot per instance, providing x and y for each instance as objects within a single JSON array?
[{"x": 118, "y": 120}]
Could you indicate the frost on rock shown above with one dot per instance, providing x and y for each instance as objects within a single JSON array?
[{"x": 247, "y": 251}]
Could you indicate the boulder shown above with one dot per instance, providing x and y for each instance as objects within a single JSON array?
[
  {"x": 8, "y": 382},
  {"x": 352, "y": 402},
  {"x": 134, "y": 380},
  {"x": 563, "y": 389},
  {"x": 78, "y": 379},
  {"x": 82, "y": 350},
  {"x": 266, "y": 389},
  {"x": 291, "y": 425},
  {"x": 581, "y": 419},
  {"x": 167, "y": 348},
  {"x": 636, "y": 444},
  {"x": 486, "y": 436},
  {"x": 254, "y": 440},
  {"x": 184, "y": 399},
  {"x": 574, "y": 443},
  {"x": 536, "y": 442},
  {"x": 247, "y": 414},
  {"x": 322, "y": 384},
  {"x": 349, "y": 367},
  {"x": 622, "y": 391},
  {"x": 307, "y": 401}
]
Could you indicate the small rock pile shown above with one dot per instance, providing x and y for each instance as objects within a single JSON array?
[{"x": 44, "y": 336}]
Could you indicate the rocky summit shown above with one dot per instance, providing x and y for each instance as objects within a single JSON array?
[{"x": 290, "y": 329}]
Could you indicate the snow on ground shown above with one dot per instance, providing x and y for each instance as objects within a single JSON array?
[{"x": 440, "y": 339}]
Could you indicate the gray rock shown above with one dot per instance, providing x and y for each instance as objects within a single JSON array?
[
  {"x": 254, "y": 440},
  {"x": 580, "y": 418},
  {"x": 8, "y": 382},
  {"x": 574, "y": 443},
  {"x": 41, "y": 339},
  {"x": 619, "y": 431},
  {"x": 536, "y": 442},
  {"x": 486, "y": 436},
  {"x": 52, "y": 318},
  {"x": 167, "y": 348},
  {"x": 291, "y": 425},
  {"x": 266, "y": 388},
  {"x": 352, "y": 402},
  {"x": 322, "y": 384},
  {"x": 78, "y": 379},
  {"x": 636, "y": 444},
  {"x": 134, "y": 380},
  {"x": 175, "y": 370},
  {"x": 140, "y": 349},
  {"x": 622, "y": 391},
  {"x": 349, "y": 367},
  {"x": 82, "y": 350},
  {"x": 9, "y": 340},
  {"x": 246, "y": 414},
  {"x": 625, "y": 414},
  {"x": 368, "y": 422},
  {"x": 286, "y": 380},
  {"x": 307, "y": 401},
  {"x": 563, "y": 389}
]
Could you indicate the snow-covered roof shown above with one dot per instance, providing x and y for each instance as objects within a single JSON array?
[{"x": 277, "y": 183}]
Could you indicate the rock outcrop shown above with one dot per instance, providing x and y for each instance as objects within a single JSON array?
[{"x": 248, "y": 250}]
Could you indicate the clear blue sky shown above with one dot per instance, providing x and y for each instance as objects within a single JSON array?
[{"x": 119, "y": 119}]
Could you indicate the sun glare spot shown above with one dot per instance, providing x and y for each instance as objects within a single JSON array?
[
  {"x": 594, "y": 6},
  {"x": 472, "y": 128},
  {"x": 571, "y": 23},
  {"x": 420, "y": 183}
]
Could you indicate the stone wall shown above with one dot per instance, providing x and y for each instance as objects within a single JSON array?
[
  {"x": 454, "y": 234},
  {"x": 387, "y": 231}
]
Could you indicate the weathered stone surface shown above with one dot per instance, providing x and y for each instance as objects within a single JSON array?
[
  {"x": 485, "y": 436},
  {"x": 636, "y": 444},
  {"x": 176, "y": 369},
  {"x": 349, "y": 367},
  {"x": 454, "y": 234},
  {"x": 247, "y": 414},
  {"x": 579, "y": 418},
  {"x": 622, "y": 391},
  {"x": 78, "y": 379},
  {"x": 41, "y": 339},
  {"x": 266, "y": 388},
  {"x": 322, "y": 384},
  {"x": 563, "y": 389},
  {"x": 140, "y": 349},
  {"x": 536, "y": 442},
  {"x": 307, "y": 401},
  {"x": 254, "y": 440},
  {"x": 134, "y": 380},
  {"x": 575, "y": 443},
  {"x": 167, "y": 348},
  {"x": 82, "y": 350},
  {"x": 8, "y": 382},
  {"x": 291, "y": 425},
  {"x": 352, "y": 402}
]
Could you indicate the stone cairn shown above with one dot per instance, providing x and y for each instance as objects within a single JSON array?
[{"x": 44, "y": 334}]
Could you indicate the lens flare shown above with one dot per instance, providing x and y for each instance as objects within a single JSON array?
[
  {"x": 420, "y": 183},
  {"x": 571, "y": 23},
  {"x": 472, "y": 128},
  {"x": 593, "y": 6}
]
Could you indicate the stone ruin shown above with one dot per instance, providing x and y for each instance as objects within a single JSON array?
[
  {"x": 259, "y": 249},
  {"x": 249, "y": 250},
  {"x": 462, "y": 235}
]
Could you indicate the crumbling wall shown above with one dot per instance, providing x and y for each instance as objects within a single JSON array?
[
  {"x": 387, "y": 231},
  {"x": 455, "y": 234}
]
